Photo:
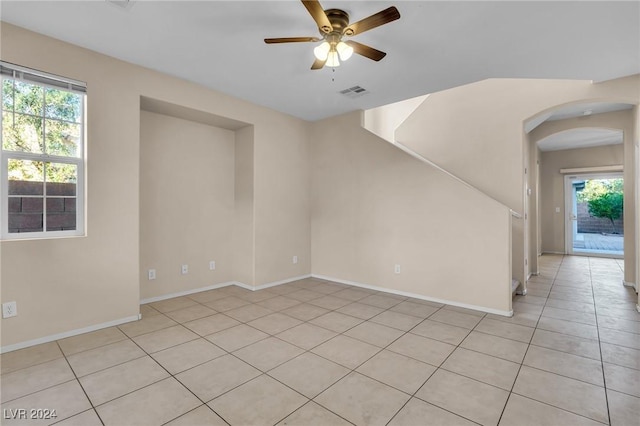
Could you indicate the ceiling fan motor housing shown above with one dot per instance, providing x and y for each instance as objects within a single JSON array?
[{"x": 339, "y": 21}]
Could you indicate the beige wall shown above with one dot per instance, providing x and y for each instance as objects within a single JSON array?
[
  {"x": 485, "y": 120},
  {"x": 375, "y": 206},
  {"x": 244, "y": 225},
  {"x": 384, "y": 120},
  {"x": 370, "y": 205},
  {"x": 535, "y": 247},
  {"x": 186, "y": 204},
  {"x": 66, "y": 284},
  {"x": 62, "y": 285},
  {"x": 282, "y": 203},
  {"x": 552, "y": 187},
  {"x": 636, "y": 139}
]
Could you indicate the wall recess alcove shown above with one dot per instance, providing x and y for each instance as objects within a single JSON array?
[{"x": 189, "y": 166}]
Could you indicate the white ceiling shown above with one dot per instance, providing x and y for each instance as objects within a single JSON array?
[
  {"x": 580, "y": 138},
  {"x": 581, "y": 110},
  {"x": 434, "y": 46},
  {"x": 573, "y": 111}
]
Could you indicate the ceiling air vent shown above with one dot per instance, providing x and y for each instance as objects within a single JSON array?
[{"x": 354, "y": 92}]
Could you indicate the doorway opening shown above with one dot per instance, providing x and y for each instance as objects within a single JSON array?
[{"x": 594, "y": 214}]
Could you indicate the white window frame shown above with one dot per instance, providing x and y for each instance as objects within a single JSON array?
[{"x": 59, "y": 83}]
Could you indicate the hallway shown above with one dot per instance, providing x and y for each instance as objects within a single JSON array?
[{"x": 584, "y": 355}]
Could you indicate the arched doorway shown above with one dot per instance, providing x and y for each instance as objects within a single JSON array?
[
  {"x": 607, "y": 130},
  {"x": 590, "y": 161}
]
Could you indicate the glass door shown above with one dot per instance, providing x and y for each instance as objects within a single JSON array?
[{"x": 594, "y": 223}]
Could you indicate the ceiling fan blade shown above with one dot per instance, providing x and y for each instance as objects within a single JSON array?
[
  {"x": 317, "y": 13},
  {"x": 291, "y": 40},
  {"x": 383, "y": 17},
  {"x": 366, "y": 51},
  {"x": 318, "y": 64}
]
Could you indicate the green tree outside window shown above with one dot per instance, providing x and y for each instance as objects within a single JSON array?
[{"x": 604, "y": 198}]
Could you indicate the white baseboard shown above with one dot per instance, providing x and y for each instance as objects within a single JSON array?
[
  {"x": 243, "y": 285},
  {"x": 553, "y": 252},
  {"x": 226, "y": 284},
  {"x": 630, "y": 284},
  {"x": 187, "y": 292},
  {"x": 416, "y": 296},
  {"x": 285, "y": 281},
  {"x": 53, "y": 337},
  {"x": 95, "y": 327},
  {"x": 271, "y": 284}
]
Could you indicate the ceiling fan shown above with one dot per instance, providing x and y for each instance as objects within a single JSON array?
[{"x": 333, "y": 25}]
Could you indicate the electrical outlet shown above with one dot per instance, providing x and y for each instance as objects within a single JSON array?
[
  {"x": 212, "y": 265},
  {"x": 295, "y": 259},
  {"x": 185, "y": 269},
  {"x": 397, "y": 269},
  {"x": 9, "y": 309},
  {"x": 152, "y": 274}
]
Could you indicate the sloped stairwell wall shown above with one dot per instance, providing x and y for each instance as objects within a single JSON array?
[
  {"x": 476, "y": 132},
  {"x": 374, "y": 207}
]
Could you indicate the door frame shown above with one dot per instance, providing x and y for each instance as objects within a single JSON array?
[{"x": 569, "y": 200}]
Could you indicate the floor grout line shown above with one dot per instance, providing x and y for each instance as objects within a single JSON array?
[
  {"x": 597, "y": 300},
  {"x": 81, "y": 387},
  {"x": 525, "y": 353},
  {"x": 604, "y": 376}
]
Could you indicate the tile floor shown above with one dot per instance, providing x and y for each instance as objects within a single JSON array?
[{"x": 320, "y": 353}]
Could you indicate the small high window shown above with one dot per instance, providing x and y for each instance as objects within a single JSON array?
[{"x": 43, "y": 154}]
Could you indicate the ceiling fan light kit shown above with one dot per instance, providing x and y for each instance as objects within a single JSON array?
[
  {"x": 332, "y": 60},
  {"x": 344, "y": 50},
  {"x": 333, "y": 25},
  {"x": 322, "y": 51},
  {"x": 330, "y": 52}
]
